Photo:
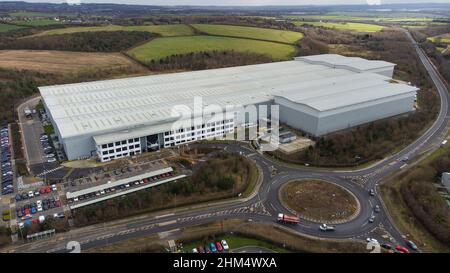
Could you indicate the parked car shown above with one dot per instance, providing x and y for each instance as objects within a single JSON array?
[
  {"x": 213, "y": 247},
  {"x": 386, "y": 246},
  {"x": 51, "y": 160},
  {"x": 224, "y": 245},
  {"x": 219, "y": 247},
  {"x": 371, "y": 219},
  {"x": 402, "y": 249},
  {"x": 411, "y": 245}
]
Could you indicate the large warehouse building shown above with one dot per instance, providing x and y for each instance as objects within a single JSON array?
[{"x": 316, "y": 94}]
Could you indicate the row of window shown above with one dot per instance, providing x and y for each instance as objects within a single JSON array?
[
  {"x": 121, "y": 149},
  {"x": 211, "y": 124},
  {"x": 170, "y": 142},
  {"x": 119, "y": 143}
]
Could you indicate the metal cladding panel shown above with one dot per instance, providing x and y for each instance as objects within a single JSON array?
[
  {"x": 364, "y": 114},
  {"x": 79, "y": 147}
]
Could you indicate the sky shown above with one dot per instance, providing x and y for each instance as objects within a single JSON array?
[{"x": 241, "y": 2}]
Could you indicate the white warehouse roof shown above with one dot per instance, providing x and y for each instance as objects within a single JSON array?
[
  {"x": 353, "y": 63},
  {"x": 101, "y": 107}
]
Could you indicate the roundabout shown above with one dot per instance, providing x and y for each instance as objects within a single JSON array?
[{"x": 319, "y": 201}]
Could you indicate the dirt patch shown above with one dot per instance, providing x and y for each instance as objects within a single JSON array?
[
  {"x": 318, "y": 200},
  {"x": 60, "y": 62}
]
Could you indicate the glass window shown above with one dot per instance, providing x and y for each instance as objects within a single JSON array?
[
  {"x": 110, "y": 145},
  {"x": 124, "y": 142},
  {"x": 136, "y": 139},
  {"x": 104, "y": 146},
  {"x": 118, "y": 149}
]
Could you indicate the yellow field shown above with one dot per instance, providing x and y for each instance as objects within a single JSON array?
[
  {"x": 345, "y": 26},
  {"x": 61, "y": 62},
  {"x": 164, "y": 30}
]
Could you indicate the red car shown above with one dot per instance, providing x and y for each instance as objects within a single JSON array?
[
  {"x": 35, "y": 221},
  {"x": 48, "y": 190},
  {"x": 42, "y": 191},
  {"x": 219, "y": 247},
  {"x": 145, "y": 180},
  {"x": 402, "y": 249}
]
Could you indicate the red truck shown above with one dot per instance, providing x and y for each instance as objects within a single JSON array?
[{"x": 288, "y": 219}]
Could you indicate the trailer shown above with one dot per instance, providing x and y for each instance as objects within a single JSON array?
[{"x": 289, "y": 219}]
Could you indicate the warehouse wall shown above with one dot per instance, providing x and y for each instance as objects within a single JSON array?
[
  {"x": 297, "y": 116},
  {"x": 331, "y": 121},
  {"x": 79, "y": 147}
]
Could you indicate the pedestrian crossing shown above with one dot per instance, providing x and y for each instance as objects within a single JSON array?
[{"x": 50, "y": 171}]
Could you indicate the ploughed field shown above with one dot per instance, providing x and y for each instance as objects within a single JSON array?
[{"x": 50, "y": 61}]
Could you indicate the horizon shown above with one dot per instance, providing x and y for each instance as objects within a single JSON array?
[{"x": 237, "y": 3}]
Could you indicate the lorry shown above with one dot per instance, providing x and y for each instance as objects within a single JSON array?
[{"x": 289, "y": 219}]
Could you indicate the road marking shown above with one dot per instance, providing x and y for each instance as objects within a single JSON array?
[
  {"x": 167, "y": 223},
  {"x": 163, "y": 216}
]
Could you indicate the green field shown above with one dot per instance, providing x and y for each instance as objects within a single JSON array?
[
  {"x": 37, "y": 23},
  {"x": 32, "y": 14},
  {"x": 6, "y": 27},
  {"x": 275, "y": 35},
  {"x": 345, "y": 26},
  {"x": 362, "y": 16},
  {"x": 164, "y": 30},
  {"x": 163, "y": 47}
]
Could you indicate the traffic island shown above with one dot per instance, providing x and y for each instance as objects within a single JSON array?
[{"x": 319, "y": 201}]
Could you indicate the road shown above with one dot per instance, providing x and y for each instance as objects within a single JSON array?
[{"x": 264, "y": 204}]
